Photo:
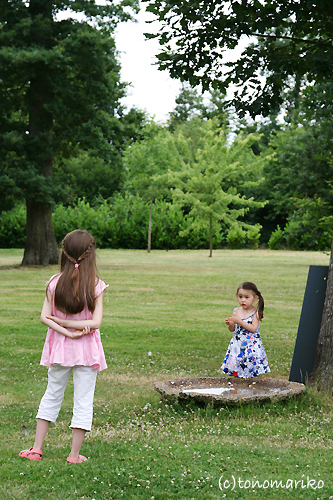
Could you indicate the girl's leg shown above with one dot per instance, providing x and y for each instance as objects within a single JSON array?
[
  {"x": 51, "y": 401},
  {"x": 84, "y": 378},
  {"x": 35, "y": 452},
  {"x": 78, "y": 437},
  {"x": 41, "y": 430},
  {"x": 49, "y": 407}
]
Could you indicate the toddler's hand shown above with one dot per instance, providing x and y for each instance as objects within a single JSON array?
[{"x": 235, "y": 318}]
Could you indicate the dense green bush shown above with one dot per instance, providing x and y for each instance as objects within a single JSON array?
[
  {"x": 253, "y": 237},
  {"x": 13, "y": 227},
  {"x": 97, "y": 220},
  {"x": 236, "y": 237},
  {"x": 303, "y": 235},
  {"x": 119, "y": 223},
  {"x": 310, "y": 227},
  {"x": 123, "y": 223},
  {"x": 276, "y": 239}
]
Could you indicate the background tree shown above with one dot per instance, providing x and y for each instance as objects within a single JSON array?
[
  {"x": 59, "y": 87},
  {"x": 97, "y": 172},
  {"x": 297, "y": 181},
  {"x": 290, "y": 39},
  {"x": 145, "y": 162},
  {"x": 191, "y": 104},
  {"x": 190, "y": 117},
  {"x": 208, "y": 187},
  {"x": 322, "y": 374},
  {"x": 299, "y": 185}
]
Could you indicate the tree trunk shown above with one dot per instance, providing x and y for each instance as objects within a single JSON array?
[
  {"x": 210, "y": 238},
  {"x": 322, "y": 374},
  {"x": 41, "y": 246},
  {"x": 149, "y": 225}
]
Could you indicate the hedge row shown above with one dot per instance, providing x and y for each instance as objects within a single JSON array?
[
  {"x": 123, "y": 223},
  {"x": 120, "y": 224}
]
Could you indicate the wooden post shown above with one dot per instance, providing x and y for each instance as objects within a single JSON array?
[
  {"x": 149, "y": 225},
  {"x": 210, "y": 238}
]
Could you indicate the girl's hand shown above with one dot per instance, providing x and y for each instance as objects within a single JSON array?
[
  {"x": 229, "y": 321},
  {"x": 77, "y": 334},
  {"x": 80, "y": 328},
  {"x": 231, "y": 324},
  {"x": 80, "y": 333},
  {"x": 233, "y": 320}
]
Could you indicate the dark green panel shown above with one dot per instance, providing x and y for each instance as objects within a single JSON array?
[{"x": 309, "y": 324}]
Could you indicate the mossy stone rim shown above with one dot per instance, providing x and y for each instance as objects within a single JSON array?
[{"x": 236, "y": 390}]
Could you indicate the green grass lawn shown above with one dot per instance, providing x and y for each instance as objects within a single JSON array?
[{"x": 172, "y": 304}]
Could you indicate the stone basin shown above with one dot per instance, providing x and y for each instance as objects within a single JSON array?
[{"x": 227, "y": 390}]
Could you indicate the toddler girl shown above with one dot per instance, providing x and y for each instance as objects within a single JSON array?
[{"x": 246, "y": 356}]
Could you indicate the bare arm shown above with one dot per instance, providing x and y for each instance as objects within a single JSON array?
[
  {"x": 235, "y": 319},
  {"x": 230, "y": 321},
  {"x": 93, "y": 324},
  {"x": 45, "y": 318}
]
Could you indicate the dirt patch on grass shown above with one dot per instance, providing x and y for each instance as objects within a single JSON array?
[{"x": 133, "y": 377}]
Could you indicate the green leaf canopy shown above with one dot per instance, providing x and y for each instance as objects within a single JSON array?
[
  {"x": 287, "y": 39},
  {"x": 60, "y": 89}
]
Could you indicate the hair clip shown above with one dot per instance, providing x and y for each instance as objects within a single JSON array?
[{"x": 76, "y": 265}]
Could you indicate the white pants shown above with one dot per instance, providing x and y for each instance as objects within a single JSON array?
[{"x": 84, "y": 378}]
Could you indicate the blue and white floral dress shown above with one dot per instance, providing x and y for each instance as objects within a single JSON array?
[{"x": 246, "y": 356}]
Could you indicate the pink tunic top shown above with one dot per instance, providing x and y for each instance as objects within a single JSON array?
[{"x": 61, "y": 350}]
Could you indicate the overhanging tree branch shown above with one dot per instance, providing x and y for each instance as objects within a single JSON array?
[{"x": 293, "y": 39}]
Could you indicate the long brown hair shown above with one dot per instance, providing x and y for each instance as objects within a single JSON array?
[
  {"x": 248, "y": 285},
  {"x": 76, "y": 285}
]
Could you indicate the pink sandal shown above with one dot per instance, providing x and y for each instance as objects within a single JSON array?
[
  {"x": 78, "y": 461},
  {"x": 31, "y": 454}
]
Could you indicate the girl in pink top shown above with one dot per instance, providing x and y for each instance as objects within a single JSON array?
[{"x": 73, "y": 310}]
